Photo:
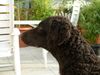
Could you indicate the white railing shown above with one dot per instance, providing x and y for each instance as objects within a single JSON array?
[{"x": 25, "y": 22}]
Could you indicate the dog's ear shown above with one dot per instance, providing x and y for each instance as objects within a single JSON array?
[{"x": 59, "y": 32}]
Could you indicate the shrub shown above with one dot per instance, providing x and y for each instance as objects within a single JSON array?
[
  {"x": 37, "y": 10},
  {"x": 90, "y": 20}
]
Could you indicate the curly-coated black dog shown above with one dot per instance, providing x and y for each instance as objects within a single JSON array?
[{"x": 74, "y": 55}]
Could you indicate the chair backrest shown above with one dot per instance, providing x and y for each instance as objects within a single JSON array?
[
  {"x": 6, "y": 26},
  {"x": 75, "y": 12}
]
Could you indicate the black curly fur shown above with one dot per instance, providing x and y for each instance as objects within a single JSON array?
[{"x": 63, "y": 40}]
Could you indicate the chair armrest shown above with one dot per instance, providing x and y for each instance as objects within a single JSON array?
[{"x": 16, "y": 32}]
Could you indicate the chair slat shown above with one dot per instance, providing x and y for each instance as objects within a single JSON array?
[
  {"x": 4, "y": 23},
  {"x": 5, "y": 53},
  {"x": 5, "y": 30},
  {"x": 4, "y": 8},
  {"x": 4, "y": 1},
  {"x": 5, "y": 38},
  {"x": 4, "y": 17},
  {"x": 5, "y": 49},
  {"x": 4, "y": 44}
]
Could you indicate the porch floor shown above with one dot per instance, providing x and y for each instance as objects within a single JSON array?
[{"x": 32, "y": 63}]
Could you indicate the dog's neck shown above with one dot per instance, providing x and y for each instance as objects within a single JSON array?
[
  {"x": 75, "y": 47},
  {"x": 76, "y": 52}
]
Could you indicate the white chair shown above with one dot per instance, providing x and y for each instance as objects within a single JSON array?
[
  {"x": 74, "y": 20},
  {"x": 45, "y": 52},
  {"x": 75, "y": 12},
  {"x": 9, "y": 36}
]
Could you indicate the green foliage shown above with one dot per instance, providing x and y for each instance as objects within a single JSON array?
[
  {"x": 90, "y": 20},
  {"x": 41, "y": 9},
  {"x": 38, "y": 10}
]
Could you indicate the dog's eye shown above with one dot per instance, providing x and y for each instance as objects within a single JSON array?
[
  {"x": 39, "y": 28},
  {"x": 41, "y": 31}
]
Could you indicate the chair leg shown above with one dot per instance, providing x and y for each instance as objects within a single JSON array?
[
  {"x": 17, "y": 62},
  {"x": 45, "y": 56},
  {"x": 17, "y": 56}
]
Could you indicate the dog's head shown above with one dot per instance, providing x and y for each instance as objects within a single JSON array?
[{"x": 52, "y": 30}]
